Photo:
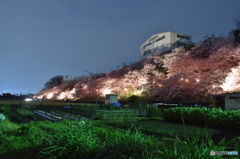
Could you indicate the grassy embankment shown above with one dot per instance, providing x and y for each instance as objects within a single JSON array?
[{"x": 111, "y": 138}]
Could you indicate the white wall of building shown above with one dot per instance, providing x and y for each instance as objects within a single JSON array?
[
  {"x": 163, "y": 42},
  {"x": 232, "y": 101}
]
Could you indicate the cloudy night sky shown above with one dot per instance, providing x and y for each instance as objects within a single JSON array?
[{"x": 40, "y": 39}]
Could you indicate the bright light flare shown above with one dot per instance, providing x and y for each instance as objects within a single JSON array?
[
  {"x": 40, "y": 97},
  {"x": 138, "y": 92},
  {"x": 67, "y": 94},
  {"x": 28, "y": 99},
  {"x": 62, "y": 96},
  {"x": 72, "y": 93},
  {"x": 50, "y": 95},
  {"x": 231, "y": 81},
  {"x": 106, "y": 91}
]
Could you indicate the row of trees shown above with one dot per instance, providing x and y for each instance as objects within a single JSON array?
[{"x": 211, "y": 67}]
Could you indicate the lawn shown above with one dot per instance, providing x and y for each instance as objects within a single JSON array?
[{"x": 35, "y": 137}]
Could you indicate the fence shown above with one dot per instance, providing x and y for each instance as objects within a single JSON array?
[{"x": 104, "y": 114}]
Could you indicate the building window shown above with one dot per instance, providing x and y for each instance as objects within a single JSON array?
[
  {"x": 147, "y": 52},
  {"x": 160, "y": 38},
  {"x": 153, "y": 38},
  {"x": 181, "y": 44},
  {"x": 147, "y": 45},
  {"x": 183, "y": 37}
]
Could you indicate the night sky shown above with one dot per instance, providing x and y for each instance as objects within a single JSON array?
[{"x": 40, "y": 39}]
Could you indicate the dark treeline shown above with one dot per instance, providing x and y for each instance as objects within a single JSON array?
[{"x": 9, "y": 96}]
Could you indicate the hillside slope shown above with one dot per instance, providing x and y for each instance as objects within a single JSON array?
[{"x": 211, "y": 67}]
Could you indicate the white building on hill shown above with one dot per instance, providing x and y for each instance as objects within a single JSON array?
[{"x": 163, "y": 42}]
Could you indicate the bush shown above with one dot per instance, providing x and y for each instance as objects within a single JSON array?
[
  {"x": 78, "y": 141},
  {"x": 154, "y": 111},
  {"x": 133, "y": 101},
  {"x": 25, "y": 112},
  {"x": 7, "y": 126},
  {"x": 131, "y": 144},
  {"x": 197, "y": 147},
  {"x": 19, "y": 138},
  {"x": 4, "y": 108},
  {"x": 82, "y": 139},
  {"x": 203, "y": 117}
]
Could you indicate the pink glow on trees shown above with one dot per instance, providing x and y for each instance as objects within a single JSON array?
[
  {"x": 142, "y": 81},
  {"x": 180, "y": 85},
  {"x": 232, "y": 81},
  {"x": 50, "y": 95},
  {"x": 180, "y": 74},
  {"x": 169, "y": 59},
  {"x": 67, "y": 94},
  {"x": 62, "y": 96},
  {"x": 106, "y": 91}
]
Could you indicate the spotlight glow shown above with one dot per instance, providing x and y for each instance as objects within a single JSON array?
[
  {"x": 28, "y": 99},
  {"x": 106, "y": 91},
  {"x": 50, "y": 95}
]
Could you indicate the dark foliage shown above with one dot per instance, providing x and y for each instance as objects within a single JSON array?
[
  {"x": 54, "y": 81},
  {"x": 204, "y": 48},
  {"x": 133, "y": 100},
  {"x": 237, "y": 35}
]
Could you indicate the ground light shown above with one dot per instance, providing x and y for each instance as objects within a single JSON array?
[{"x": 28, "y": 99}]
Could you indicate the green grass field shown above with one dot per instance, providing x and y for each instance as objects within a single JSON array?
[{"x": 146, "y": 138}]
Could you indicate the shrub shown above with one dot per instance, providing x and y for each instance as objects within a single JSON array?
[
  {"x": 4, "y": 108},
  {"x": 153, "y": 111},
  {"x": 134, "y": 101},
  {"x": 7, "y": 126},
  {"x": 25, "y": 112},
  {"x": 131, "y": 144},
  {"x": 203, "y": 117},
  {"x": 197, "y": 147},
  {"x": 18, "y": 138},
  {"x": 77, "y": 141}
]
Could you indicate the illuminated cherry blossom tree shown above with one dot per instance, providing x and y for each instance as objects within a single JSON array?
[
  {"x": 211, "y": 67},
  {"x": 232, "y": 81}
]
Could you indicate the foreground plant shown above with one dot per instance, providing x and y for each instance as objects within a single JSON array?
[
  {"x": 77, "y": 140},
  {"x": 201, "y": 116},
  {"x": 25, "y": 112},
  {"x": 196, "y": 147},
  {"x": 85, "y": 139},
  {"x": 20, "y": 139},
  {"x": 131, "y": 144}
]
